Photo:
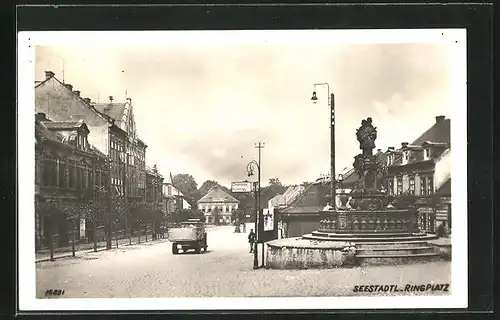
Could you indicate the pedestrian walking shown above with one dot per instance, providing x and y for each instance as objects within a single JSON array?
[{"x": 251, "y": 240}]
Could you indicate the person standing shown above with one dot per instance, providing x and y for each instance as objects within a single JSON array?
[{"x": 251, "y": 240}]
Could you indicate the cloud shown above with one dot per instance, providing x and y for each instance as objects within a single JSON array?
[{"x": 200, "y": 109}]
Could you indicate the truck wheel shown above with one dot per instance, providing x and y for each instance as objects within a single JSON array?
[
  {"x": 174, "y": 248},
  {"x": 197, "y": 249},
  {"x": 205, "y": 248}
]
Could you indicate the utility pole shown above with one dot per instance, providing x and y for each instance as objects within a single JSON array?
[{"x": 260, "y": 146}]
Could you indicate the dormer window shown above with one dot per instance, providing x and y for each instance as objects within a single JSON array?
[
  {"x": 390, "y": 159},
  {"x": 406, "y": 156},
  {"x": 427, "y": 153}
]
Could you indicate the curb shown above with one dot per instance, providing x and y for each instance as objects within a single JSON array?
[
  {"x": 69, "y": 255},
  {"x": 77, "y": 253}
]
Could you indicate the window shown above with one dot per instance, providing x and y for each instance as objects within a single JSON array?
[
  {"x": 399, "y": 185},
  {"x": 430, "y": 186},
  {"x": 427, "y": 153},
  {"x": 62, "y": 175},
  {"x": 49, "y": 173},
  {"x": 390, "y": 187},
  {"x": 423, "y": 188},
  {"x": 411, "y": 189}
]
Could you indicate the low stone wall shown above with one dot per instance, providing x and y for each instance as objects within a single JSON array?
[
  {"x": 442, "y": 247},
  {"x": 298, "y": 253}
]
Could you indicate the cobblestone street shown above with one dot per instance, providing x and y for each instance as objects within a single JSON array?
[{"x": 151, "y": 270}]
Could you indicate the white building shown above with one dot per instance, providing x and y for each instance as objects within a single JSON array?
[{"x": 217, "y": 204}]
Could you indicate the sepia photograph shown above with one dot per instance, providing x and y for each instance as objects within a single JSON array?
[{"x": 198, "y": 169}]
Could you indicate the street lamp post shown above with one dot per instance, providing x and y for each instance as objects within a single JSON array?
[
  {"x": 331, "y": 103},
  {"x": 251, "y": 166}
]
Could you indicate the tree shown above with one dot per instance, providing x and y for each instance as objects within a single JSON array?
[
  {"x": 274, "y": 188},
  {"x": 186, "y": 184},
  {"x": 207, "y": 185},
  {"x": 93, "y": 208}
]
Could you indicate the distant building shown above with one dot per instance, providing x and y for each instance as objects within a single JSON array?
[
  {"x": 301, "y": 216},
  {"x": 113, "y": 132},
  {"x": 173, "y": 199},
  {"x": 423, "y": 169},
  {"x": 218, "y": 205},
  {"x": 282, "y": 201},
  {"x": 67, "y": 172}
]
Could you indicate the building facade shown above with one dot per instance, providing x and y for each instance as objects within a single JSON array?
[
  {"x": 173, "y": 199},
  {"x": 218, "y": 206},
  {"x": 113, "y": 130},
  {"x": 423, "y": 169},
  {"x": 154, "y": 190},
  {"x": 67, "y": 171}
]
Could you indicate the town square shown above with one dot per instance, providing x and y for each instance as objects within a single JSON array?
[{"x": 252, "y": 168}]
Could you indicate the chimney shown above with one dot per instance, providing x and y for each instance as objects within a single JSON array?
[
  {"x": 40, "y": 116},
  {"x": 77, "y": 92},
  {"x": 70, "y": 87},
  {"x": 404, "y": 145},
  {"x": 440, "y": 119},
  {"x": 87, "y": 100},
  {"x": 49, "y": 74}
]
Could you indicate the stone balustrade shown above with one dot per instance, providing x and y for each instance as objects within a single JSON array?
[{"x": 367, "y": 221}]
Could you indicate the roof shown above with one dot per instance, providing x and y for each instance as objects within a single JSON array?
[
  {"x": 439, "y": 132},
  {"x": 216, "y": 194},
  {"x": 276, "y": 200},
  {"x": 308, "y": 201},
  {"x": 151, "y": 171},
  {"x": 430, "y": 143},
  {"x": 63, "y": 124},
  {"x": 303, "y": 209},
  {"x": 445, "y": 189},
  {"x": 412, "y": 147},
  {"x": 114, "y": 110},
  {"x": 41, "y": 131}
]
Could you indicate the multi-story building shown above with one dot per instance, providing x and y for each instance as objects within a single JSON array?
[
  {"x": 154, "y": 192},
  {"x": 423, "y": 169},
  {"x": 68, "y": 169},
  {"x": 217, "y": 206},
  {"x": 113, "y": 132}
]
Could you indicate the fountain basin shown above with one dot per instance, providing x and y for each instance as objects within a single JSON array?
[{"x": 300, "y": 253}]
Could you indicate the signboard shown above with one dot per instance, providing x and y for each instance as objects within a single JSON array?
[
  {"x": 243, "y": 186},
  {"x": 268, "y": 219},
  {"x": 267, "y": 232},
  {"x": 82, "y": 228}
]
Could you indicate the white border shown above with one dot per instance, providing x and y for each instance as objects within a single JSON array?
[{"x": 26, "y": 79}]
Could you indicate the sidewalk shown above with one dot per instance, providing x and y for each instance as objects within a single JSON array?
[{"x": 44, "y": 255}]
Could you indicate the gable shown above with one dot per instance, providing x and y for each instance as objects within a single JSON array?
[{"x": 217, "y": 195}]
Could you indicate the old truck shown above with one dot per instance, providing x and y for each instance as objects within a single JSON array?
[{"x": 190, "y": 234}]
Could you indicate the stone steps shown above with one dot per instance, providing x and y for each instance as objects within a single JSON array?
[
  {"x": 394, "y": 252},
  {"x": 397, "y": 244},
  {"x": 415, "y": 255},
  {"x": 381, "y": 238},
  {"x": 396, "y": 259}
]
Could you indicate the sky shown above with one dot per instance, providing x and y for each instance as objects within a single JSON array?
[{"x": 201, "y": 108}]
